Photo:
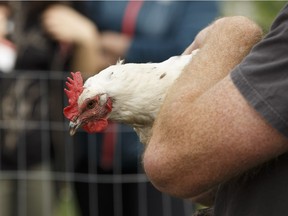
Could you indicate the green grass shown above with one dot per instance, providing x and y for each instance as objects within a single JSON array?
[{"x": 67, "y": 205}]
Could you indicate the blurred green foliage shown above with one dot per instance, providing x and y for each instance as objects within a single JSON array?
[
  {"x": 266, "y": 12},
  {"x": 67, "y": 205},
  {"x": 262, "y": 12}
]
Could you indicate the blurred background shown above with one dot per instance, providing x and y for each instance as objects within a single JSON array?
[{"x": 45, "y": 171}]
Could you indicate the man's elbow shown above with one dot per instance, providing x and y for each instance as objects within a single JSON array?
[
  {"x": 156, "y": 170},
  {"x": 166, "y": 173}
]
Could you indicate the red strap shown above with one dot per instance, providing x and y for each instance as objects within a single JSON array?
[
  {"x": 110, "y": 136},
  {"x": 130, "y": 17},
  {"x": 109, "y": 141}
]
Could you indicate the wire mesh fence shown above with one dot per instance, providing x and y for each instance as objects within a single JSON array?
[{"x": 42, "y": 165}]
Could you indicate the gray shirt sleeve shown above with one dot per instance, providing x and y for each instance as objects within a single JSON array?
[{"x": 262, "y": 77}]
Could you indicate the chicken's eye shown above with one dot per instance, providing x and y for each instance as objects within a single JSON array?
[{"x": 91, "y": 104}]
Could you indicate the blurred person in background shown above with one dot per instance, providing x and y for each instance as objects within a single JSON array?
[
  {"x": 137, "y": 31},
  {"x": 24, "y": 151}
]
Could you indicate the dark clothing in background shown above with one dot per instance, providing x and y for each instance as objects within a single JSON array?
[{"x": 163, "y": 28}]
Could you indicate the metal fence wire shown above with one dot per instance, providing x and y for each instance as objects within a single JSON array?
[{"x": 42, "y": 165}]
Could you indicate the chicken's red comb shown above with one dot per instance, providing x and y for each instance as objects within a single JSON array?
[{"x": 73, "y": 91}]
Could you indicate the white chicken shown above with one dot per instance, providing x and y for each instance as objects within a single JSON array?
[{"x": 126, "y": 93}]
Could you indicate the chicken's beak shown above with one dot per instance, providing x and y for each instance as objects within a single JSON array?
[{"x": 73, "y": 127}]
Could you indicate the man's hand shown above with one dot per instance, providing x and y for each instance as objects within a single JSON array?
[
  {"x": 68, "y": 26},
  {"x": 115, "y": 43},
  {"x": 65, "y": 24}
]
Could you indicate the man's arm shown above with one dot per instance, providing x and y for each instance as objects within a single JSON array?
[{"x": 206, "y": 133}]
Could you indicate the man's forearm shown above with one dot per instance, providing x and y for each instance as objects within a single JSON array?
[
  {"x": 167, "y": 155},
  {"x": 228, "y": 42}
]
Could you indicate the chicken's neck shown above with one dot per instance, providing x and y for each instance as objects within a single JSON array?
[{"x": 139, "y": 90}]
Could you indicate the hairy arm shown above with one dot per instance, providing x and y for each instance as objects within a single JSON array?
[{"x": 206, "y": 133}]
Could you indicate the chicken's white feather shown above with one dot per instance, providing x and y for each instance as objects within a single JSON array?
[{"x": 137, "y": 90}]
